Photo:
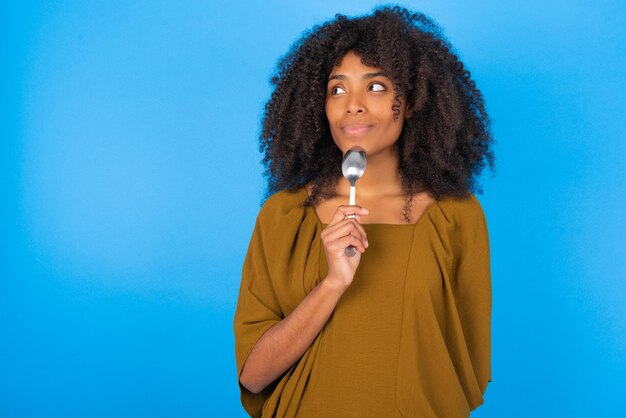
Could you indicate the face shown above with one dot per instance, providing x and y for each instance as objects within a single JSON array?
[{"x": 359, "y": 102}]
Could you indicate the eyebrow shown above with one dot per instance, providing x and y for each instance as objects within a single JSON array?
[{"x": 366, "y": 76}]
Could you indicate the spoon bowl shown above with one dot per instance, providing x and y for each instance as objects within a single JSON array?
[
  {"x": 353, "y": 164},
  {"x": 353, "y": 167}
]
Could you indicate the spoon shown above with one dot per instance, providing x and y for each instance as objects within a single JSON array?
[{"x": 352, "y": 167}]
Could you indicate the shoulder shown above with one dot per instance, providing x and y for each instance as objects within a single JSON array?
[
  {"x": 463, "y": 222},
  {"x": 462, "y": 210},
  {"x": 285, "y": 227},
  {"x": 285, "y": 203}
]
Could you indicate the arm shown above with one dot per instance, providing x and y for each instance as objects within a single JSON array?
[
  {"x": 285, "y": 341},
  {"x": 472, "y": 290}
]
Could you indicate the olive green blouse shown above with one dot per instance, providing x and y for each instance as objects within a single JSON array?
[{"x": 411, "y": 335}]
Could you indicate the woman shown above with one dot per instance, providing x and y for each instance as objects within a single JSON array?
[{"x": 403, "y": 327}]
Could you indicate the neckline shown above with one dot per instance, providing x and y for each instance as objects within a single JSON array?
[{"x": 375, "y": 224}]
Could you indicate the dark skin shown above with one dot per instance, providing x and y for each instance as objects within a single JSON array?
[
  {"x": 446, "y": 141},
  {"x": 359, "y": 111},
  {"x": 385, "y": 208}
]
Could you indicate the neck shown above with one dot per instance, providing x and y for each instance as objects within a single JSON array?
[{"x": 381, "y": 177}]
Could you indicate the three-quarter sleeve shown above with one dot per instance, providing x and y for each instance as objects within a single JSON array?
[
  {"x": 280, "y": 268},
  {"x": 257, "y": 310},
  {"x": 472, "y": 289}
]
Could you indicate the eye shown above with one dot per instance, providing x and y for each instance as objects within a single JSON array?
[
  {"x": 377, "y": 87},
  {"x": 337, "y": 90}
]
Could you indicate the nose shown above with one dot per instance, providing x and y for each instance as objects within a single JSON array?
[{"x": 355, "y": 104}]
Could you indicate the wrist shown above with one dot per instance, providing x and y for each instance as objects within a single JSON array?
[{"x": 333, "y": 286}]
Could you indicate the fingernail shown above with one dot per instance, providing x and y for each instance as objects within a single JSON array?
[
  {"x": 367, "y": 244},
  {"x": 365, "y": 210}
]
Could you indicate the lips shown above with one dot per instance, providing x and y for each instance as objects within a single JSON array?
[{"x": 356, "y": 128}]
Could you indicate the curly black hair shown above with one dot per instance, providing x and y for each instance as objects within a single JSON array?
[{"x": 443, "y": 146}]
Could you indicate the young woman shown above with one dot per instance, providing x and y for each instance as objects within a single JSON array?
[{"x": 403, "y": 327}]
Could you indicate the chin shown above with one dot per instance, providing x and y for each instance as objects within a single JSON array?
[{"x": 345, "y": 145}]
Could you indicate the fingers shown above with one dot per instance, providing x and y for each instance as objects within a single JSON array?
[
  {"x": 351, "y": 240},
  {"x": 348, "y": 232},
  {"x": 338, "y": 245},
  {"x": 340, "y": 226},
  {"x": 344, "y": 228},
  {"x": 342, "y": 231},
  {"x": 345, "y": 210}
]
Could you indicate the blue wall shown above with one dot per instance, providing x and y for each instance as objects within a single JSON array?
[{"x": 130, "y": 182}]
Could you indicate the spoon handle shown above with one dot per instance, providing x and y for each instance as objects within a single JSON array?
[{"x": 350, "y": 250}]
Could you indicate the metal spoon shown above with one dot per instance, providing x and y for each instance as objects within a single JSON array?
[{"x": 352, "y": 167}]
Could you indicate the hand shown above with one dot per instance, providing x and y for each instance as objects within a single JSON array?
[{"x": 339, "y": 234}]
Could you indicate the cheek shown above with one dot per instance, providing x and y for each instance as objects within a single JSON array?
[
  {"x": 399, "y": 124},
  {"x": 331, "y": 113},
  {"x": 333, "y": 120},
  {"x": 394, "y": 127},
  {"x": 330, "y": 119}
]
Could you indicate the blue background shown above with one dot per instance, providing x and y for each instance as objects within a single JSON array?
[{"x": 130, "y": 183}]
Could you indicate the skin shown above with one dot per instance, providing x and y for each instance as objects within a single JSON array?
[
  {"x": 361, "y": 95},
  {"x": 359, "y": 102},
  {"x": 359, "y": 110}
]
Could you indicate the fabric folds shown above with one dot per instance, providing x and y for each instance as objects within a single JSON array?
[{"x": 442, "y": 341}]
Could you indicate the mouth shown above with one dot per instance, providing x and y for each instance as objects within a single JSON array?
[{"x": 356, "y": 129}]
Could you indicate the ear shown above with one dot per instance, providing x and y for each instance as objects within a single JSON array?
[{"x": 408, "y": 112}]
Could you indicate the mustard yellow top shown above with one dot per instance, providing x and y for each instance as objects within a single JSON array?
[{"x": 411, "y": 335}]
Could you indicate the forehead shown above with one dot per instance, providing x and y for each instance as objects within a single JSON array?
[{"x": 353, "y": 63}]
